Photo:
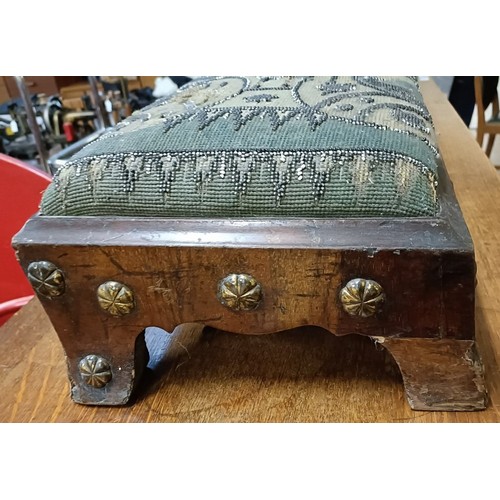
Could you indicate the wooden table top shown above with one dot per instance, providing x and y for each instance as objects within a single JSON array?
[{"x": 304, "y": 375}]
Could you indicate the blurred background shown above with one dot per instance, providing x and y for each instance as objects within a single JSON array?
[{"x": 69, "y": 111}]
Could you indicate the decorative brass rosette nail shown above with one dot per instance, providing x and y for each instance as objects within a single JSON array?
[
  {"x": 46, "y": 278},
  {"x": 95, "y": 370},
  {"x": 362, "y": 297},
  {"x": 240, "y": 292},
  {"x": 115, "y": 298}
]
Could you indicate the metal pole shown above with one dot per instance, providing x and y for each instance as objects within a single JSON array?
[
  {"x": 35, "y": 130},
  {"x": 102, "y": 115}
]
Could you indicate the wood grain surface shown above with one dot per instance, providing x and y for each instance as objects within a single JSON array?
[{"x": 302, "y": 375}]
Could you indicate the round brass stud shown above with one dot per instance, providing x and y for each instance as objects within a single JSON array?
[
  {"x": 115, "y": 298},
  {"x": 46, "y": 278},
  {"x": 95, "y": 370},
  {"x": 362, "y": 297},
  {"x": 240, "y": 292}
]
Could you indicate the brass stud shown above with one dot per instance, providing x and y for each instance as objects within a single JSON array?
[
  {"x": 240, "y": 292},
  {"x": 46, "y": 278},
  {"x": 95, "y": 370},
  {"x": 115, "y": 298},
  {"x": 362, "y": 297}
]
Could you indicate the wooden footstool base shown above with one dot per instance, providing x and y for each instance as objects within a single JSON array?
[
  {"x": 406, "y": 283},
  {"x": 256, "y": 205}
]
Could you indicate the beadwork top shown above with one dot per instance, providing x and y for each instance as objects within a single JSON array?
[{"x": 261, "y": 147}]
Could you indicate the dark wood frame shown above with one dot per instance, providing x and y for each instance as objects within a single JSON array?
[{"x": 425, "y": 265}]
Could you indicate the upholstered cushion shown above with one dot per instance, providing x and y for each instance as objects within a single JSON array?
[{"x": 261, "y": 146}]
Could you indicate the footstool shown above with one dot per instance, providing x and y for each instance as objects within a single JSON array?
[{"x": 254, "y": 205}]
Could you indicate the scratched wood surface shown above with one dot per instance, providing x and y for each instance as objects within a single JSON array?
[{"x": 302, "y": 375}]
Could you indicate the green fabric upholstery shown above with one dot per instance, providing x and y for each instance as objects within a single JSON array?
[{"x": 261, "y": 147}]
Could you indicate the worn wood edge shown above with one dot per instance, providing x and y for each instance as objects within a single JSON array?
[
  {"x": 340, "y": 234},
  {"x": 474, "y": 364},
  {"x": 89, "y": 396}
]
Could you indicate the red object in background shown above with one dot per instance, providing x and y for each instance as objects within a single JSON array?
[
  {"x": 21, "y": 188},
  {"x": 69, "y": 131}
]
